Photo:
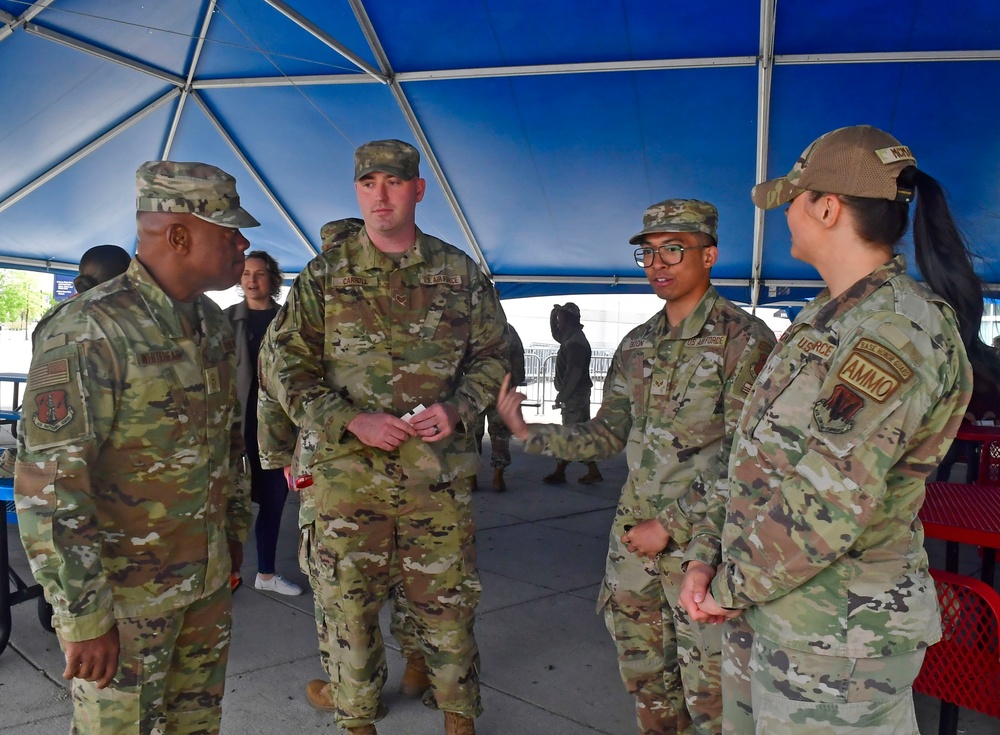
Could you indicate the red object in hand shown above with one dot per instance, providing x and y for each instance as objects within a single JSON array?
[
  {"x": 235, "y": 581},
  {"x": 303, "y": 481}
]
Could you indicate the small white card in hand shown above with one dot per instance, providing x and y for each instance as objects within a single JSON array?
[{"x": 410, "y": 414}]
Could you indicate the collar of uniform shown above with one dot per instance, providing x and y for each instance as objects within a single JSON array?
[
  {"x": 835, "y": 307},
  {"x": 371, "y": 258},
  {"x": 693, "y": 324},
  {"x": 159, "y": 305}
]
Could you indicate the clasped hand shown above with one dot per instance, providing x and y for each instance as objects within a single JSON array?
[
  {"x": 697, "y": 600},
  {"x": 388, "y": 432}
]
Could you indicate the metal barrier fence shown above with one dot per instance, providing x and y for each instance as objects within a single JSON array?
[{"x": 539, "y": 370}]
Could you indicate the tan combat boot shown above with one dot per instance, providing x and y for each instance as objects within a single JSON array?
[
  {"x": 318, "y": 694},
  {"x": 456, "y": 724},
  {"x": 415, "y": 680},
  {"x": 498, "y": 482}
]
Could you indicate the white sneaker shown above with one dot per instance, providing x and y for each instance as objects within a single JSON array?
[{"x": 278, "y": 584}]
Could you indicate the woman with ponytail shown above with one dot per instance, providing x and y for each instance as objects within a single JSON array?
[{"x": 823, "y": 579}]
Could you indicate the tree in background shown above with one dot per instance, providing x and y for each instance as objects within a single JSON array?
[{"x": 24, "y": 297}]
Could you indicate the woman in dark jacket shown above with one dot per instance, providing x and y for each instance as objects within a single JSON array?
[{"x": 261, "y": 282}]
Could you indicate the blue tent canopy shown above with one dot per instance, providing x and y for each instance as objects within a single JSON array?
[{"x": 546, "y": 128}]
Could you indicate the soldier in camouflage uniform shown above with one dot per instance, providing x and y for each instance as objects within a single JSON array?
[
  {"x": 672, "y": 396},
  {"x": 392, "y": 323},
  {"x": 130, "y": 503},
  {"x": 283, "y": 446},
  {"x": 499, "y": 433},
  {"x": 821, "y": 548}
]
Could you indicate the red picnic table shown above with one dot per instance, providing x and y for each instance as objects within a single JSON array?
[{"x": 962, "y": 513}]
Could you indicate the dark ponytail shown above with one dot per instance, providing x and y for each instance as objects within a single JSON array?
[{"x": 945, "y": 262}]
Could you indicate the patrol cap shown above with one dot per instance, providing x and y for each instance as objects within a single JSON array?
[
  {"x": 333, "y": 233},
  {"x": 388, "y": 156},
  {"x": 568, "y": 307},
  {"x": 201, "y": 189},
  {"x": 680, "y": 215},
  {"x": 859, "y": 161}
]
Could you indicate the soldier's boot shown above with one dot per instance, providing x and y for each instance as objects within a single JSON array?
[
  {"x": 559, "y": 476},
  {"x": 593, "y": 475},
  {"x": 498, "y": 482},
  {"x": 415, "y": 680},
  {"x": 318, "y": 694},
  {"x": 456, "y": 724}
]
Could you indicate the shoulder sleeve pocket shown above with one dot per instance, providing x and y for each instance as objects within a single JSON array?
[{"x": 55, "y": 412}]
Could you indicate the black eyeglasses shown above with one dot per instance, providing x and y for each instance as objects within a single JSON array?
[{"x": 669, "y": 254}]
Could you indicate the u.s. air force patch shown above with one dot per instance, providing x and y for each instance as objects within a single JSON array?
[{"x": 872, "y": 372}]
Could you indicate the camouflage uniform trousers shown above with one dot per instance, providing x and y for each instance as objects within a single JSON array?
[
  {"x": 737, "y": 705},
  {"x": 171, "y": 674},
  {"x": 669, "y": 663},
  {"x": 797, "y": 692},
  {"x": 499, "y": 437},
  {"x": 400, "y": 621},
  {"x": 428, "y": 535}
]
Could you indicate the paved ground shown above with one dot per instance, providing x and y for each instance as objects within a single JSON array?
[{"x": 548, "y": 665}]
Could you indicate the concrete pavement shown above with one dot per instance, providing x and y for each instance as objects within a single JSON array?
[{"x": 548, "y": 665}]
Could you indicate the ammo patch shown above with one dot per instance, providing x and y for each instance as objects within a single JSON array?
[
  {"x": 865, "y": 376},
  {"x": 51, "y": 373},
  {"x": 160, "y": 357},
  {"x": 52, "y": 412},
  {"x": 874, "y": 370}
]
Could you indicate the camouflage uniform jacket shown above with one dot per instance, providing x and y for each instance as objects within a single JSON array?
[
  {"x": 855, "y": 408},
  {"x": 126, "y": 483},
  {"x": 359, "y": 333},
  {"x": 672, "y": 398},
  {"x": 280, "y": 444}
]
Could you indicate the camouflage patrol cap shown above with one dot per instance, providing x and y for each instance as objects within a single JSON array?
[
  {"x": 333, "y": 233},
  {"x": 568, "y": 307},
  {"x": 389, "y": 156},
  {"x": 201, "y": 189},
  {"x": 679, "y": 215},
  {"x": 859, "y": 161}
]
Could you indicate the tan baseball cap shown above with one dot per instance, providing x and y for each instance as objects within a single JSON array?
[
  {"x": 201, "y": 189},
  {"x": 860, "y": 161}
]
